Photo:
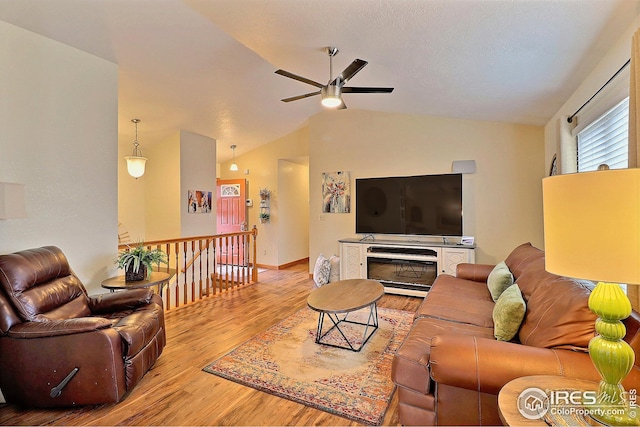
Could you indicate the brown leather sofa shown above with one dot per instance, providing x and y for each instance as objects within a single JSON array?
[
  {"x": 51, "y": 330},
  {"x": 450, "y": 368}
]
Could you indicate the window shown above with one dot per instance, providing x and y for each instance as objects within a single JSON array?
[{"x": 605, "y": 140}]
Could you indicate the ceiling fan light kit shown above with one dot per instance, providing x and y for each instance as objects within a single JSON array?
[
  {"x": 331, "y": 93},
  {"x": 331, "y": 96}
]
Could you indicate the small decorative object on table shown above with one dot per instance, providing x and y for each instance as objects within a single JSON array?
[{"x": 138, "y": 262}]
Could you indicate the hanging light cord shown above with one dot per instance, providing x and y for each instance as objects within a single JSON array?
[{"x": 136, "y": 152}]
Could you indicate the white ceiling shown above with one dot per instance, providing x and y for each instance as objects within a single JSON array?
[{"x": 207, "y": 66}]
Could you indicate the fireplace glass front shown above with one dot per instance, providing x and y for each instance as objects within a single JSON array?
[{"x": 402, "y": 273}]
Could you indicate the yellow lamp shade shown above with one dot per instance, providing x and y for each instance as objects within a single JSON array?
[{"x": 592, "y": 225}]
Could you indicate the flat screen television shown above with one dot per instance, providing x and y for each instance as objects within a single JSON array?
[{"x": 410, "y": 205}]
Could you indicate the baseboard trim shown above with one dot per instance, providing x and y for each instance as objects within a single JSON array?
[
  {"x": 291, "y": 264},
  {"x": 283, "y": 266}
]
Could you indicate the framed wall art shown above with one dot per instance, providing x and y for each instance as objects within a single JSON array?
[
  {"x": 198, "y": 201},
  {"x": 336, "y": 192}
]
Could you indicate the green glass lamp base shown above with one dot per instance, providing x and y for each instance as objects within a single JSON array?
[{"x": 611, "y": 355}]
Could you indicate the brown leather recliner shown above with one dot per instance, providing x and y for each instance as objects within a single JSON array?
[{"x": 61, "y": 347}]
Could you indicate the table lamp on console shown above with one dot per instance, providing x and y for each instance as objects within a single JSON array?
[{"x": 592, "y": 231}]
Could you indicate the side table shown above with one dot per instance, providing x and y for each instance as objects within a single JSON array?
[
  {"x": 522, "y": 391},
  {"x": 157, "y": 278}
]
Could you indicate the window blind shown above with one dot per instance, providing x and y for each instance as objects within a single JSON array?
[{"x": 605, "y": 140}]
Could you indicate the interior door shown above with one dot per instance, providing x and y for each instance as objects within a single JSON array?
[{"x": 231, "y": 218}]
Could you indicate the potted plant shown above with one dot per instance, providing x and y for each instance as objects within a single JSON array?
[
  {"x": 264, "y": 217},
  {"x": 138, "y": 262}
]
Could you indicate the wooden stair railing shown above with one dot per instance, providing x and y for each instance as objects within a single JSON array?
[{"x": 206, "y": 265}]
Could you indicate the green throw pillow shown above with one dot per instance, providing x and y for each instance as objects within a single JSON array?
[
  {"x": 508, "y": 313},
  {"x": 499, "y": 279}
]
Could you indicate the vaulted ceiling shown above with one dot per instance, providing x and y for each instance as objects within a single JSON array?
[{"x": 207, "y": 66}]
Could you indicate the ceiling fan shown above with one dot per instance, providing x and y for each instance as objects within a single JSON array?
[{"x": 331, "y": 93}]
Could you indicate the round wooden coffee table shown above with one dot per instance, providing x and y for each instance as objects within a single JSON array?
[{"x": 342, "y": 298}]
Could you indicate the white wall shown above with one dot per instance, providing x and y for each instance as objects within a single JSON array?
[
  {"x": 161, "y": 196},
  {"x": 617, "y": 55},
  {"x": 292, "y": 210},
  {"x": 154, "y": 206},
  {"x": 502, "y": 202},
  {"x": 558, "y": 142},
  {"x": 197, "y": 172},
  {"x": 263, "y": 165},
  {"x": 59, "y": 132},
  {"x": 131, "y": 195}
]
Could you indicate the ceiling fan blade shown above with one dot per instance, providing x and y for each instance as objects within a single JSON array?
[
  {"x": 349, "y": 72},
  {"x": 299, "y": 78},
  {"x": 367, "y": 89},
  {"x": 295, "y": 98}
]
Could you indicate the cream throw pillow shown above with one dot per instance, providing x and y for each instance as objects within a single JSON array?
[
  {"x": 499, "y": 279},
  {"x": 508, "y": 313},
  {"x": 334, "y": 276},
  {"x": 321, "y": 271}
]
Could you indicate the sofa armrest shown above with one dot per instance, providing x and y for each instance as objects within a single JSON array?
[
  {"x": 474, "y": 272},
  {"x": 118, "y": 301},
  {"x": 58, "y": 327},
  {"x": 486, "y": 365}
]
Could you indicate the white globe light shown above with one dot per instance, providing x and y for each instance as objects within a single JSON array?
[{"x": 135, "y": 165}]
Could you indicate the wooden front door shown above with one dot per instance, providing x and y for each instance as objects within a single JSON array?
[{"x": 231, "y": 218}]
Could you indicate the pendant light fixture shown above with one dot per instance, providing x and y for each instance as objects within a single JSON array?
[
  {"x": 234, "y": 166},
  {"x": 135, "y": 162}
]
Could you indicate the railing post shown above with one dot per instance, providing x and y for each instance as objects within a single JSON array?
[
  {"x": 254, "y": 271},
  {"x": 177, "y": 256}
]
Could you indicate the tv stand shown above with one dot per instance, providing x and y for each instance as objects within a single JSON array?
[{"x": 403, "y": 266}]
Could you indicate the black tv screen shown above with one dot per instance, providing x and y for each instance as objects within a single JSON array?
[{"x": 411, "y": 205}]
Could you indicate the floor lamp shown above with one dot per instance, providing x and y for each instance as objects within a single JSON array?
[{"x": 592, "y": 231}]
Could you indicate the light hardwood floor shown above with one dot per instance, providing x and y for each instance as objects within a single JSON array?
[{"x": 177, "y": 392}]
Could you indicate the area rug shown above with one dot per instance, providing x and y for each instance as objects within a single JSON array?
[{"x": 285, "y": 361}]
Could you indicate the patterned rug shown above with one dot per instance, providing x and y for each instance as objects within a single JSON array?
[{"x": 285, "y": 361}]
